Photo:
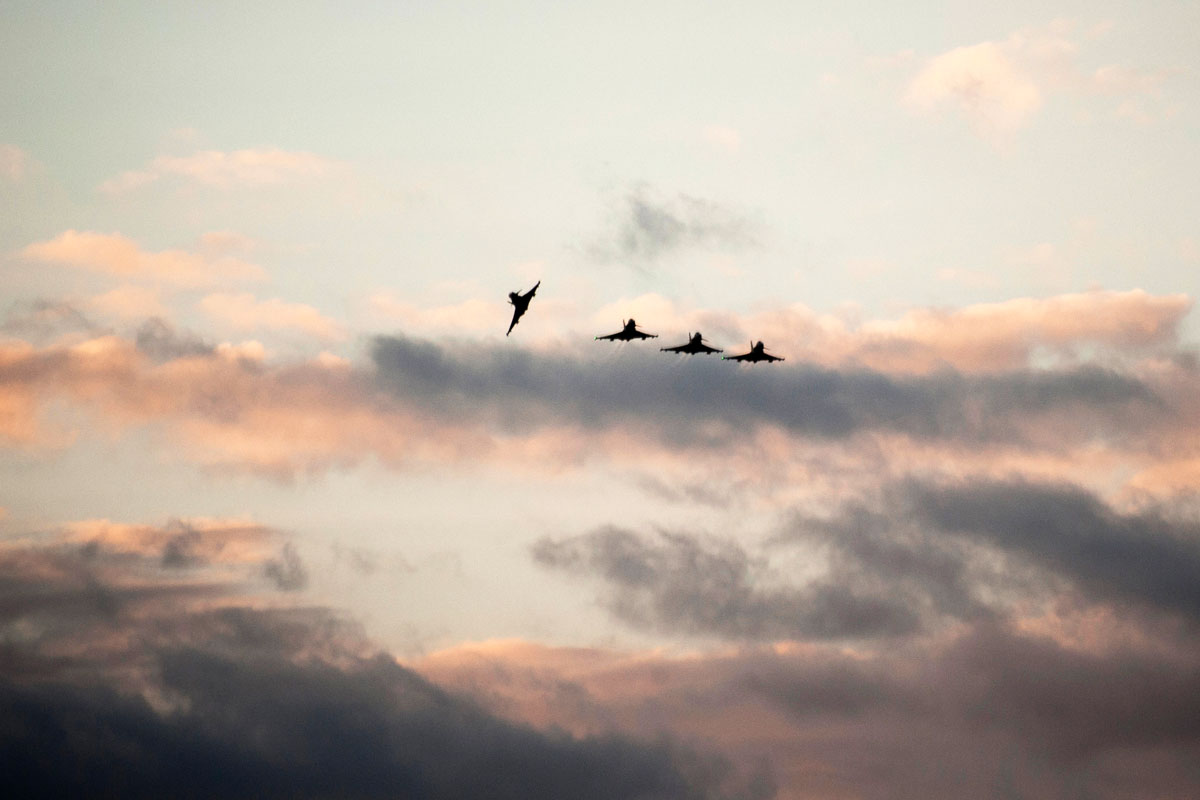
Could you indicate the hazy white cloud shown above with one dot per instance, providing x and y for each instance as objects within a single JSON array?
[
  {"x": 114, "y": 254},
  {"x": 983, "y": 82},
  {"x": 226, "y": 170},
  {"x": 998, "y": 86},
  {"x": 244, "y": 312},
  {"x": 15, "y": 163}
]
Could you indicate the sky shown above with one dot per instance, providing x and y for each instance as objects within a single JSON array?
[{"x": 283, "y": 511}]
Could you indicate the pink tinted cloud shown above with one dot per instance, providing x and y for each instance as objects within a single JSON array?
[
  {"x": 223, "y": 409},
  {"x": 232, "y": 407},
  {"x": 114, "y": 254},
  {"x": 982, "y": 337},
  {"x": 199, "y": 540},
  {"x": 226, "y": 170},
  {"x": 983, "y": 82},
  {"x": 244, "y": 312},
  {"x": 838, "y": 722},
  {"x": 998, "y": 86},
  {"x": 129, "y": 302}
]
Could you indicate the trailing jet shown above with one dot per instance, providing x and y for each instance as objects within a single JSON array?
[
  {"x": 757, "y": 353},
  {"x": 520, "y": 304},
  {"x": 694, "y": 346},
  {"x": 627, "y": 333}
]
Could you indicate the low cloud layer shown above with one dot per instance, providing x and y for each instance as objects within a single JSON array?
[
  {"x": 118, "y": 676},
  {"x": 415, "y": 399},
  {"x": 521, "y": 389},
  {"x": 1001, "y": 712}
]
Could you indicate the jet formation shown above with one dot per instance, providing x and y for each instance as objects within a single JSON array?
[{"x": 629, "y": 331}]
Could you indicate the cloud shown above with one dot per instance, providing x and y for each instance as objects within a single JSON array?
[
  {"x": 127, "y": 680},
  {"x": 229, "y": 405},
  {"x": 1113, "y": 557},
  {"x": 114, "y": 254},
  {"x": 922, "y": 556},
  {"x": 161, "y": 342},
  {"x": 518, "y": 390},
  {"x": 1012, "y": 333},
  {"x": 180, "y": 543},
  {"x": 226, "y": 170},
  {"x": 42, "y": 320},
  {"x": 983, "y": 82},
  {"x": 244, "y": 312},
  {"x": 15, "y": 163},
  {"x": 1063, "y": 329},
  {"x": 995, "y": 708},
  {"x": 129, "y": 302},
  {"x": 646, "y": 228},
  {"x": 287, "y": 571},
  {"x": 682, "y": 583},
  {"x": 999, "y": 86}
]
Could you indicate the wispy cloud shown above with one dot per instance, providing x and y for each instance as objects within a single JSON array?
[
  {"x": 120, "y": 256},
  {"x": 646, "y": 227},
  {"x": 226, "y": 170},
  {"x": 683, "y": 583},
  {"x": 15, "y": 163},
  {"x": 244, "y": 312},
  {"x": 998, "y": 86}
]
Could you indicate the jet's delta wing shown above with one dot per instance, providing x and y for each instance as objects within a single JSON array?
[
  {"x": 627, "y": 333},
  {"x": 693, "y": 346},
  {"x": 757, "y": 353},
  {"x": 520, "y": 304}
]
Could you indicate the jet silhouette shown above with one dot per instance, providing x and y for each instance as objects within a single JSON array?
[
  {"x": 757, "y": 353},
  {"x": 627, "y": 333},
  {"x": 694, "y": 346},
  {"x": 520, "y": 304}
]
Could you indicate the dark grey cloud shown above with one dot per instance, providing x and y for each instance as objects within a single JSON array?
[
  {"x": 688, "y": 584},
  {"x": 938, "y": 578},
  {"x": 264, "y": 703},
  {"x": 1146, "y": 557},
  {"x": 988, "y": 711},
  {"x": 287, "y": 572},
  {"x": 990, "y": 707},
  {"x": 520, "y": 390},
  {"x": 40, "y": 320},
  {"x": 922, "y": 556},
  {"x": 646, "y": 227},
  {"x": 161, "y": 341}
]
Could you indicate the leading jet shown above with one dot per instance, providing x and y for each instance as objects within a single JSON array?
[
  {"x": 520, "y": 304},
  {"x": 694, "y": 346},
  {"x": 757, "y": 353},
  {"x": 627, "y": 333}
]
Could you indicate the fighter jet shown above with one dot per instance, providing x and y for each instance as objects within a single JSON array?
[
  {"x": 757, "y": 353},
  {"x": 629, "y": 332},
  {"x": 520, "y": 304},
  {"x": 696, "y": 345}
]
